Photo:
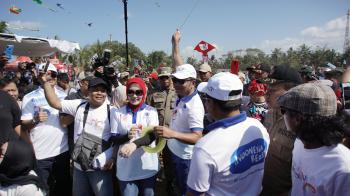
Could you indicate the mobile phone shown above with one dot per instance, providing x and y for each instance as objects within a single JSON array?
[
  {"x": 46, "y": 66},
  {"x": 346, "y": 94},
  {"x": 9, "y": 51}
]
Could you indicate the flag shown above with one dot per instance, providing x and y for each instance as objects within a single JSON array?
[{"x": 234, "y": 66}]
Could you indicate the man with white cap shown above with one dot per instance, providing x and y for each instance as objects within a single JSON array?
[
  {"x": 229, "y": 160},
  {"x": 49, "y": 138},
  {"x": 204, "y": 72},
  {"x": 186, "y": 123}
]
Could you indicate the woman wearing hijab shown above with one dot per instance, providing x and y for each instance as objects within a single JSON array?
[
  {"x": 136, "y": 169},
  {"x": 17, "y": 159}
]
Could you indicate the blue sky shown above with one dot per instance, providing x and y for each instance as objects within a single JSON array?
[{"x": 228, "y": 24}]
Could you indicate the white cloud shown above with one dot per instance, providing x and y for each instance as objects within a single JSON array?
[
  {"x": 20, "y": 25},
  {"x": 329, "y": 35}
]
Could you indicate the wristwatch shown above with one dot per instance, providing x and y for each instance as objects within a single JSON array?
[{"x": 35, "y": 121}]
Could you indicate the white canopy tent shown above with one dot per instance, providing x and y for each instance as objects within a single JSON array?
[{"x": 36, "y": 47}]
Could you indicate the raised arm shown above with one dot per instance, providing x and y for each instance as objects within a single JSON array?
[
  {"x": 175, "y": 40},
  {"x": 50, "y": 94}
]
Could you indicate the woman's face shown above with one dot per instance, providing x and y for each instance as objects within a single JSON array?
[{"x": 135, "y": 94}]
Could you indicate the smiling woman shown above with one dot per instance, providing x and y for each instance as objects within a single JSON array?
[{"x": 136, "y": 168}]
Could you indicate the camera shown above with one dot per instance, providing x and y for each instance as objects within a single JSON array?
[{"x": 109, "y": 74}]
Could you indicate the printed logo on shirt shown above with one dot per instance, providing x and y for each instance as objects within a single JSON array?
[
  {"x": 248, "y": 155},
  {"x": 299, "y": 174}
]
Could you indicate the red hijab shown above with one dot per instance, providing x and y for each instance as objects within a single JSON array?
[{"x": 143, "y": 87}]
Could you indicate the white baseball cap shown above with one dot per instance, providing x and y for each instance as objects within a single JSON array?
[
  {"x": 185, "y": 71},
  {"x": 223, "y": 86},
  {"x": 50, "y": 68}
]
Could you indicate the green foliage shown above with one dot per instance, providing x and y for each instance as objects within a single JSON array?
[
  {"x": 3, "y": 27},
  {"x": 303, "y": 55}
]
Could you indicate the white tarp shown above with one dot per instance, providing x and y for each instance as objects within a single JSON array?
[{"x": 36, "y": 47}]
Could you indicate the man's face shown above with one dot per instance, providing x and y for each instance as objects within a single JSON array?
[
  {"x": 204, "y": 76},
  {"x": 11, "y": 89},
  {"x": 63, "y": 84},
  {"x": 165, "y": 82},
  {"x": 183, "y": 87},
  {"x": 273, "y": 92},
  {"x": 97, "y": 95},
  {"x": 83, "y": 86}
]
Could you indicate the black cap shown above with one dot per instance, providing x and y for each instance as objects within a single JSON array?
[
  {"x": 264, "y": 67},
  {"x": 284, "y": 73},
  {"x": 96, "y": 82},
  {"x": 63, "y": 77}
]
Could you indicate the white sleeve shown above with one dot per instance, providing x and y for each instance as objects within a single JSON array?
[
  {"x": 196, "y": 117},
  {"x": 114, "y": 120},
  {"x": 71, "y": 106},
  {"x": 27, "y": 108},
  {"x": 201, "y": 171}
]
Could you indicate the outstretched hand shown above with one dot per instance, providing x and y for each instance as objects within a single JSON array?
[{"x": 175, "y": 39}]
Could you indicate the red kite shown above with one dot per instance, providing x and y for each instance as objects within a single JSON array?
[
  {"x": 204, "y": 47},
  {"x": 15, "y": 10}
]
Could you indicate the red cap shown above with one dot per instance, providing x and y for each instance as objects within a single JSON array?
[{"x": 153, "y": 75}]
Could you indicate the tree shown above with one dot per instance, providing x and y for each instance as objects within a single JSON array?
[
  {"x": 3, "y": 27},
  {"x": 304, "y": 53},
  {"x": 293, "y": 58},
  {"x": 156, "y": 58},
  {"x": 277, "y": 57}
]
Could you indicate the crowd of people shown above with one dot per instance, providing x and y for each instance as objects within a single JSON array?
[{"x": 268, "y": 130}]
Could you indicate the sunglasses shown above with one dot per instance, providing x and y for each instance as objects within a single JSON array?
[
  {"x": 137, "y": 92},
  {"x": 164, "y": 77},
  {"x": 53, "y": 75},
  {"x": 178, "y": 81}
]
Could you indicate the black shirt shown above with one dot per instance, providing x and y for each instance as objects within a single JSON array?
[{"x": 10, "y": 117}]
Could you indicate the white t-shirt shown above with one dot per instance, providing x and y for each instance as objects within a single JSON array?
[
  {"x": 49, "y": 138},
  {"x": 141, "y": 164},
  {"x": 322, "y": 171},
  {"x": 97, "y": 122},
  {"x": 187, "y": 116},
  {"x": 230, "y": 159}
]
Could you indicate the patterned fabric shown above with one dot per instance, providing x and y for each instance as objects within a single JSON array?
[
  {"x": 310, "y": 99},
  {"x": 257, "y": 110}
]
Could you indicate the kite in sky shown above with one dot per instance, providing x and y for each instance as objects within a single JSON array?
[
  {"x": 89, "y": 24},
  {"x": 40, "y": 2},
  {"x": 60, "y": 6},
  {"x": 204, "y": 47},
  {"x": 15, "y": 10}
]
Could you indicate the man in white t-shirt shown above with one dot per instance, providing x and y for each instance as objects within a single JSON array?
[
  {"x": 95, "y": 111},
  {"x": 229, "y": 160},
  {"x": 186, "y": 124},
  {"x": 49, "y": 138},
  {"x": 321, "y": 163}
]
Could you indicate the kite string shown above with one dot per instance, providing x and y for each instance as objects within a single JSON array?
[{"x": 189, "y": 14}]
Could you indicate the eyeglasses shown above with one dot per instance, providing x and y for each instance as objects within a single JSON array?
[
  {"x": 137, "y": 92},
  {"x": 178, "y": 81},
  {"x": 164, "y": 77},
  {"x": 53, "y": 75}
]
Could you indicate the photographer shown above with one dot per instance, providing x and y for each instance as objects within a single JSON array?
[{"x": 103, "y": 70}]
